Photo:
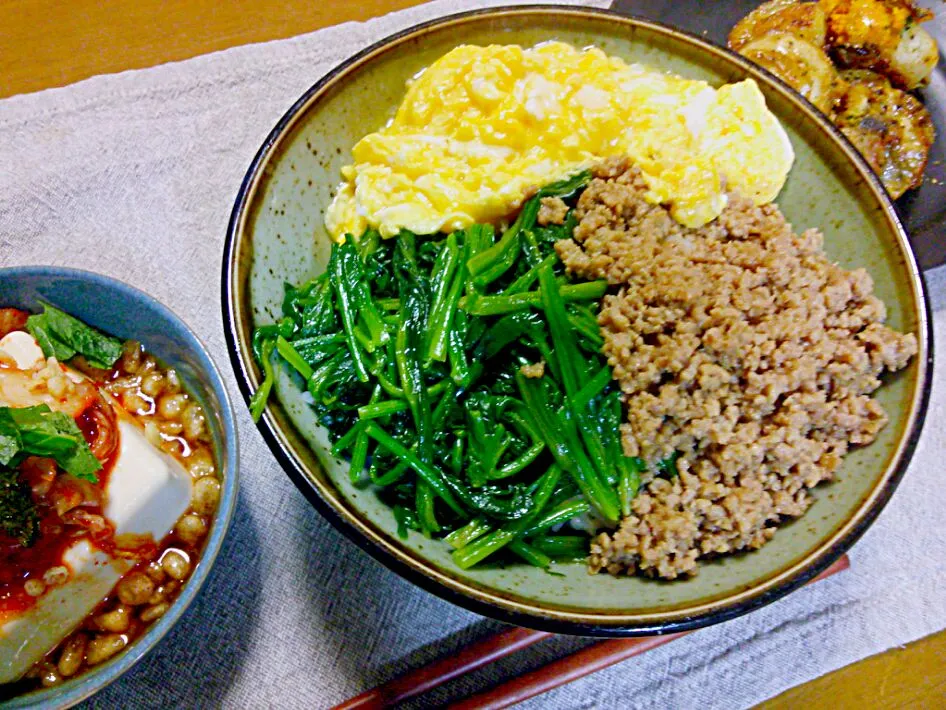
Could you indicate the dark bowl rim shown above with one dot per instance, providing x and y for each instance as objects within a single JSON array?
[
  {"x": 82, "y": 687},
  {"x": 808, "y": 567}
]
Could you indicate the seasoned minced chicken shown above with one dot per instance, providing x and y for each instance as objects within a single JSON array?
[{"x": 738, "y": 344}]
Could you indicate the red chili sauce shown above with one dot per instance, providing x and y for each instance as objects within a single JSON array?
[{"x": 19, "y": 564}]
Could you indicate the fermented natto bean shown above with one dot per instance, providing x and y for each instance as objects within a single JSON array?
[
  {"x": 153, "y": 612},
  {"x": 34, "y": 587},
  {"x": 103, "y": 647},
  {"x": 173, "y": 383},
  {"x": 171, "y": 428},
  {"x": 171, "y": 406},
  {"x": 176, "y": 564},
  {"x": 136, "y": 588},
  {"x": 131, "y": 356},
  {"x": 50, "y": 676},
  {"x": 206, "y": 495},
  {"x": 191, "y": 529},
  {"x": 116, "y": 620},
  {"x": 164, "y": 591},
  {"x": 147, "y": 365},
  {"x": 55, "y": 576},
  {"x": 155, "y": 571},
  {"x": 175, "y": 446},
  {"x": 135, "y": 403},
  {"x": 200, "y": 464},
  {"x": 153, "y": 383},
  {"x": 193, "y": 419},
  {"x": 73, "y": 653}
]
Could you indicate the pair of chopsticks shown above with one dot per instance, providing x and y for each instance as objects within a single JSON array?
[{"x": 489, "y": 650}]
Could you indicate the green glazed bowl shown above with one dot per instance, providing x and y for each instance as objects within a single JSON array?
[{"x": 276, "y": 234}]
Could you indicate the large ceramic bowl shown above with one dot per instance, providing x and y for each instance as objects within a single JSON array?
[
  {"x": 127, "y": 313},
  {"x": 276, "y": 234}
]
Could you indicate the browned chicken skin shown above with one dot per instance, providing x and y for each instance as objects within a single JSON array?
[
  {"x": 805, "y": 20},
  {"x": 799, "y": 63},
  {"x": 890, "y": 128},
  {"x": 883, "y": 36}
]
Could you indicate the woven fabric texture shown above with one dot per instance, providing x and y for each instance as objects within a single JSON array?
[{"x": 134, "y": 175}]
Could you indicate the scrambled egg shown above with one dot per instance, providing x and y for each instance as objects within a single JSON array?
[{"x": 482, "y": 124}]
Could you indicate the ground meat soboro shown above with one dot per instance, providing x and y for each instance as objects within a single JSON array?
[
  {"x": 552, "y": 210},
  {"x": 739, "y": 345}
]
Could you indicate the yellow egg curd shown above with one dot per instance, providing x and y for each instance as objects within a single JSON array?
[{"x": 481, "y": 125}]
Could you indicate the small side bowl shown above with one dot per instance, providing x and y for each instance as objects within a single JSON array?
[{"x": 127, "y": 313}]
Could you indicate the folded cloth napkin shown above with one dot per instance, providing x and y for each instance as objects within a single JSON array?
[{"x": 134, "y": 175}]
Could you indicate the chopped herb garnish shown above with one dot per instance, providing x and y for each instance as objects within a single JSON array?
[
  {"x": 18, "y": 516},
  {"x": 39, "y": 431},
  {"x": 63, "y": 336}
]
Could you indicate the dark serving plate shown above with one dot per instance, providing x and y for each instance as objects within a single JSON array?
[{"x": 922, "y": 211}]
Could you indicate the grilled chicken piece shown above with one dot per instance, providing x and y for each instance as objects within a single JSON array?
[
  {"x": 891, "y": 128},
  {"x": 883, "y": 36},
  {"x": 884, "y": 52},
  {"x": 805, "y": 20},
  {"x": 914, "y": 59},
  {"x": 799, "y": 63}
]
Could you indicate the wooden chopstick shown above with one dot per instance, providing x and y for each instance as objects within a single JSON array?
[
  {"x": 480, "y": 653},
  {"x": 577, "y": 665},
  {"x": 468, "y": 659},
  {"x": 582, "y": 663}
]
